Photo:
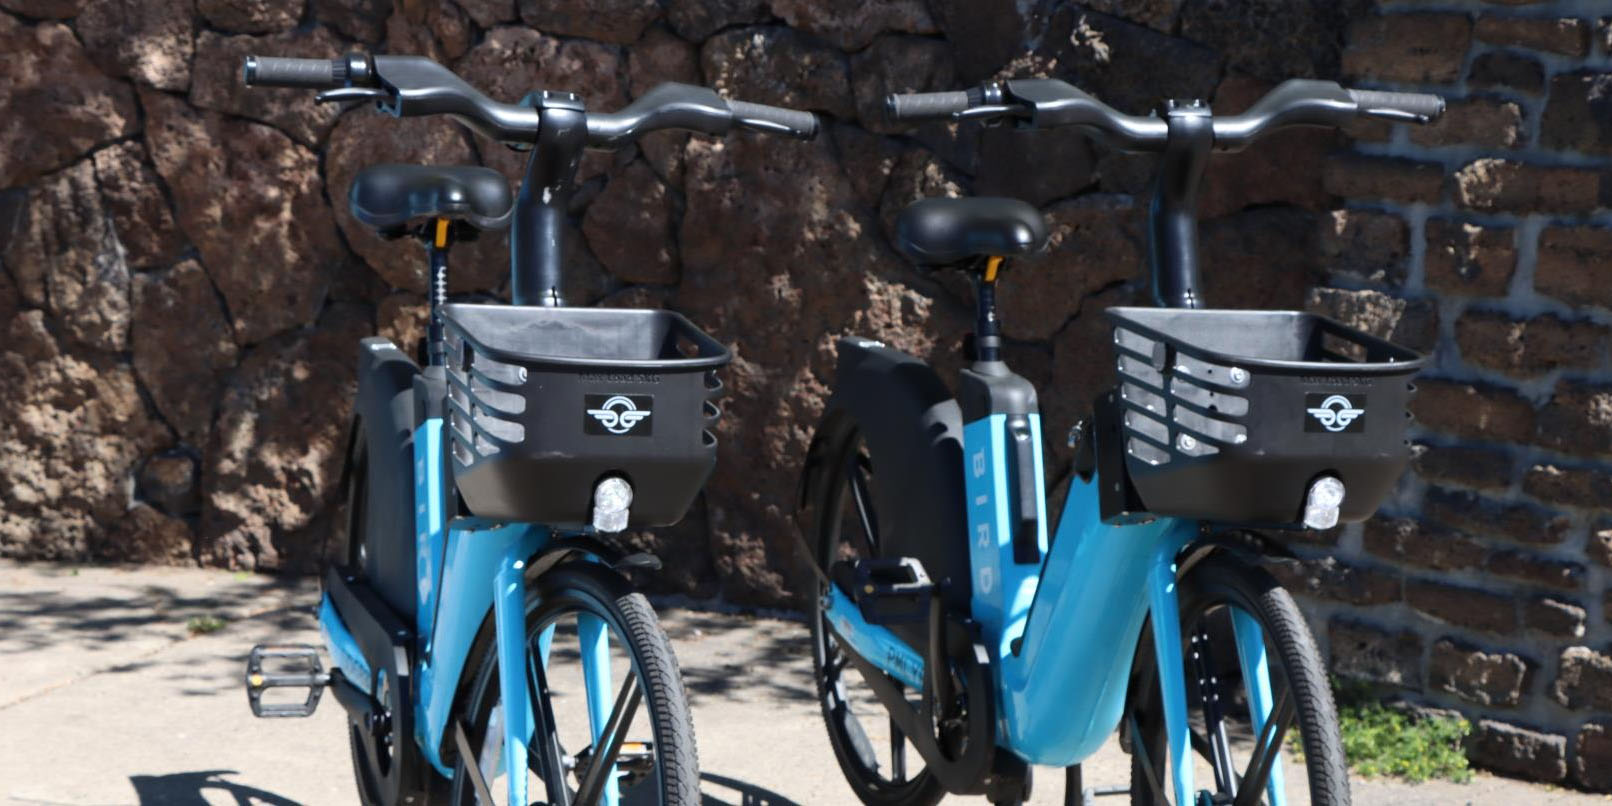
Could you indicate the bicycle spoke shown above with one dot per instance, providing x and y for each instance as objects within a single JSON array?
[
  {"x": 898, "y": 753},
  {"x": 472, "y": 764},
  {"x": 1219, "y": 746},
  {"x": 546, "y": 739},
  {"x": 864, "y": 509},
  {"x": 1267, "y": 748},
  {"x": 615, "y": 732},
  {"x": 1139, "y": 748}
]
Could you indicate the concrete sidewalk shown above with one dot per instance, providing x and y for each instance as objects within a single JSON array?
[{"x": 107, "y": 697}]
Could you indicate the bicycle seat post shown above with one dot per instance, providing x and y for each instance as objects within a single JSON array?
[{"x": 436, "y": 248}]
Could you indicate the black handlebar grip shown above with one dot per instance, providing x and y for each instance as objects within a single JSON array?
[
  {"x": 926, "y": 105},
  {"x": 1422, "y": 106},
  {"x": 272, "y": 71},
  {"x": 774, "y": 119}
]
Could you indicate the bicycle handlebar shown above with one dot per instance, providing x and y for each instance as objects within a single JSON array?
[
  {"x": 414, "y": 85},
  {"x": 1046, "y": 103}
]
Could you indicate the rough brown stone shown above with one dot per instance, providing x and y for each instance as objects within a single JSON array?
[
  {"x": 1592, "y": 756},
  {"x": 144, "y": 535},
  {"x": 917, "y": 174},
  {"x": 1414, "y": 48},
  {"x": 1486, "y": 122},
  {"x": 72, "y": 431},
  {"x": 1479, "y": 515},
  {"x": 1285, "y": 169},
  {"x": 1413, "y": 323},
  {"x": 183, "y": 347},
  {"x": 488, "y": 13},
  {"x": 1578, "y": 116},
  {"x": 1364, "y": 244},
  {"x": 867, "y": 160},
  {"x": 1425, "y": 544},
  {"x": 365, "y": 20},
  {"x": 899, "y": 64},
  {"x": 1516, "y": 750},
  {"x": 695, "y": 20},
  {"x": 1469, "y": 466},
  {"x": 1080, "y": 373},
  {"x": 1156, "y": 14},
  {"x": 618, "y": 21},
  {"x": 1473, "y": 411},
  {"x": 1578, "y": 419},
  {"x": 1562, "y": 574},
  {"x": 1554, "y": 616},
  {"x": 1606, "y": 606},
  {"x": 252, "y": 202},
  {"x": 1569, "y": 264},
  {"x": 149, "y": 41},
  {"x": 278, "y": 446},
  {"x": 1506, "y": 70},
  {"x": 45, "y": 9},
  {"x": 54, "y": 104},
  {"x": 169, "y": 481},
  {"x": 132, "y": 197},
  {"x": 1090, "y": 246},
  {"x": 1574, "y": 486},
  {"x": 218, "y": 86},
  {"x": 511, "y": 61},
  {"x": 1584, "y": 680},
  {"x": 1499, "y": 185},
  {"x": 1118, "y": 60},
  {"x": 1469, "y": 259},
  {"x": 439, "y": 31},
  {"x": 1262, "y": 258},
  {"x": 1529, "y": 347},
  {"x": 251, "y": 16},
  {"x": 1359, "y": 176},
  {"x": 401, "y": 317},
  {"x": 1274, "y": 39},
  {"x": 1566, "y": 36},
  {"x": 1472, "y": 608},
  {"x": 1331, "y": 578},
  {"x": 66, "y": 259},
  {"x": 1367, "y": 652},
  {"x": 778, "y": 66},
  {"x": 629, "y": 228},
  {"x": 985, "y": 35},
  {"x": 1486, "y": 678},
  {"x": 853, "y": 24}
]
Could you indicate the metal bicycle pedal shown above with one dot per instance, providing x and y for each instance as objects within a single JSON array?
[
  {"x": 888, "y": 590},
  {"x": 312, "y": 677}
]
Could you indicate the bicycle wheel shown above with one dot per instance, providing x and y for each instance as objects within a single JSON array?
[
  {"x": 871, "y": 750},
  {"x": 568, "y": 610},
  {"x": 1221, "y": 597}
]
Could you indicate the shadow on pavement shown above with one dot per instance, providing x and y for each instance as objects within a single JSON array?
[
  {"x": 185, "y": 789},
  {"x": 749, "y": 794}
]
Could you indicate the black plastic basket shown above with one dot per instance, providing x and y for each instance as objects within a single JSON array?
[
  {"x": 1228, "y": 416},
  {"x": 545, "y": 402}
]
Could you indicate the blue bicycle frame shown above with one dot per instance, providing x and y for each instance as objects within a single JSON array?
[
  {"x": 1073, "y": 617},
  {"x": 464, "y": 569}
]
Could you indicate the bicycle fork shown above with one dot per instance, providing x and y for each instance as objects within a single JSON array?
[{"x": 1164, "y": 611}]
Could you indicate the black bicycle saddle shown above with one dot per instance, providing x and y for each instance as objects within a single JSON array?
[
  {"x": 935, "y": 231},
  {"x": 388, "y": 198}
]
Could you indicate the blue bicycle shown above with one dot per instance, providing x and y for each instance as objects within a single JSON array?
[
  {"x": 987, "y": 641},
  {"x": 485, "y": 642}
]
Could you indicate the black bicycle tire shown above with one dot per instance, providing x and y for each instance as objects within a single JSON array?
[
  {"x": 923, "y": 789},
  {"x": 1222, "y": 577},
  {"x": 629, "y": 615}
]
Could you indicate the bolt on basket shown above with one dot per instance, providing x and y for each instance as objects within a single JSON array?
[
  {"x": 544, "y": 403},
  {"x": 1233, "y": 416}
]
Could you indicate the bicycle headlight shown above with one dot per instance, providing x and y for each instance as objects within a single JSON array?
[{"x": 1322, "y": 503}]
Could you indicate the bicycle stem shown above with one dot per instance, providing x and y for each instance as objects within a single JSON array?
[
  {"x": 537, "y": 234},
  {"x": 1172, "y": 216}
]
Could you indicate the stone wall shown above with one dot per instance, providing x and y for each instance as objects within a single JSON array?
[{"x": 182, "y": 286}]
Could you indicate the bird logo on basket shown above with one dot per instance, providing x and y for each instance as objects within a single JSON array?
[
  {"x": 618, "y": 414},
  {"x": 1335, "y": 413}
]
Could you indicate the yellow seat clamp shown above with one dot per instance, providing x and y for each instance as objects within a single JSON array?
[
  {"x": 442, "y": 232},
  {"x": 991, "y": 266}
]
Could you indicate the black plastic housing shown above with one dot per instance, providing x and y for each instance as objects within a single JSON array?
[
  {"x": 543, "y": 402},
  {"x": 1228, "y": 416}
]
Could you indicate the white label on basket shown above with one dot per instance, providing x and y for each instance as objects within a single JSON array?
[
  {"x": 619, "y": 415},
  {"x": 1334, "y": 413}
]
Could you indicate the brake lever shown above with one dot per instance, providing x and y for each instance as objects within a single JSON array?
[{"x": 351, "y": 94}]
